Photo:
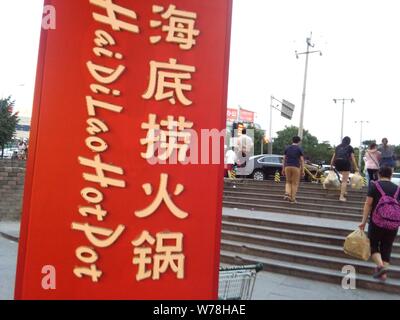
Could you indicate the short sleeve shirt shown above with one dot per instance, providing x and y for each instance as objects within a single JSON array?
[
  {"x": 293, "y": 154},
  {"x": 348, "y": 151}
]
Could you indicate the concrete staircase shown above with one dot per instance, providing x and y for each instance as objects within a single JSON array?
[{"x": 304, "y": 239}]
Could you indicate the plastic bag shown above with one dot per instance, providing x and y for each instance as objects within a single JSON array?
[
  {"x": 331, "y": 181},
  {"x": 357, "y": 245},
  {"x": 357, "y": 181}
]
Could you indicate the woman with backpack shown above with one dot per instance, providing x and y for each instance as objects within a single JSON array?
[
  {"x": 382, "y": 206},
  {"x": 372, "y": 159},
  {"x": 342, "y": 160}
]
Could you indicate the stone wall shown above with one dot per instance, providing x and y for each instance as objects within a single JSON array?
[{"x": 12, "y": 177}]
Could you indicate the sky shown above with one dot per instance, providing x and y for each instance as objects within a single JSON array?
[{"x": 360, "y": 47}]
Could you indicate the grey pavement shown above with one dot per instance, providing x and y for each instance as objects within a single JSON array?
[
  {"x": 10, "y": 229},
  {"x": 8, "y": 261},
  {"x": 272, "y": 286}
]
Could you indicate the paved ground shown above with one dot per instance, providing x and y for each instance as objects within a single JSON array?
[
  {"x": 268, "y": 286},
  {"x": 8, "y": 259}
]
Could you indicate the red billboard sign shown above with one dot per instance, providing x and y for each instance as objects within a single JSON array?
[
  {"x": 231, "y": 115},
  {"x": 246, "y": 116},
  {"x": 118, "y": 79}
]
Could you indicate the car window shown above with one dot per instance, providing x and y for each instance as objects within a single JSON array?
[
  {"x": 271, "y": 159},
  {"x": 265, "y": 160}
]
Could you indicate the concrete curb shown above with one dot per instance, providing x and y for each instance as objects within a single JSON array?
[{"x": 9, "y": 237}]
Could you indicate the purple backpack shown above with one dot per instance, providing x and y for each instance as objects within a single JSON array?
[{"x": 387, "y": 211}]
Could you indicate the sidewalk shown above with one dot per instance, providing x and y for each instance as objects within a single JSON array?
[
  {"x": 272, "y": 286},
  {"x": 10, "y": 230}
]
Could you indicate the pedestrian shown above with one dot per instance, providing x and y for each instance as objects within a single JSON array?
[
  {"x": 342, "y": 160},
  {"x": 372, "y": 160},
  {"x": 230, "y": 161},
  {"x": 22, "y": 150},
  {"x": 244, "y": 147},
  {"x": 293, "y": 169},
  {"x": 383, "y": 235},
  {"x": 387, "y": 154}
]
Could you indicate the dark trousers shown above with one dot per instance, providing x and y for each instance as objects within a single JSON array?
[
  {"x": 373, "y": 174},
  {"x": 381, "y": 241}
]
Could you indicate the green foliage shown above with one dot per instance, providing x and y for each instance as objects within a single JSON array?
[
  {"x": 314, "y": 151},
  {"x": 8, "y": 121},
  {"x": 258, "y": 139}
]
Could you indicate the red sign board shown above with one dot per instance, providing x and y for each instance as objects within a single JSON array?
[
  {"x": 246, "y": 116},
  {"x": 232, "y": 115},
  {"x": 100, "y": 220}
]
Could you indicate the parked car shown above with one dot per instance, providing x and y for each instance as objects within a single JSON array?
[
  {"x": 9, "y": 153},
  {"x": 396, "y": 178},
  {"x": 264, "y": 166}
]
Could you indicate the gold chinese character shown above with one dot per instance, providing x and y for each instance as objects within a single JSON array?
[
  {"x": 169, "y": 247},
  {"x": 175, "y": 137},
  {"x": 158, "y": 85},
  {"x": 111, "y": 17},
  {"x": 162, "y": 196},
  {"x": 169, "y": 256},
  {"x": 180, "y": 28},
  {"x": 142, "y": 258}
]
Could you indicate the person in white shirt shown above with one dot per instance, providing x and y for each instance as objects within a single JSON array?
[
  {"x": 244, "y": 146},
  {"x": 230, "y": 161},
  {"x": 372, "y": 160}
]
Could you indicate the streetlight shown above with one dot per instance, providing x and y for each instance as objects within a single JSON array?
[
  {"x": 343, "y": 102},
  {"x": 307, "y": 53},
  {"x": 361, "y": 122}
]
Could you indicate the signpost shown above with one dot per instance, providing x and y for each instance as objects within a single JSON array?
[
  {"x": 116, "y": 81},
  {"x": 287, "y": 109}
]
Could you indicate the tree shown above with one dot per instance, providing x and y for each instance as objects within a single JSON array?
[
  {"x": 313, "y": 150},
  {"x": 258, "y": 139},
  {"x": 8, "y": 122},
  {"x": 367, "y": 143}
]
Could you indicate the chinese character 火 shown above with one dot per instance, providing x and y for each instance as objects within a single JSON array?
[{"x": 162, "y": 196}]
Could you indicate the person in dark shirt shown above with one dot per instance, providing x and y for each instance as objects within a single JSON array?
[
  {"x": 342, "y": 160},
  {"x": 381, "y": 239},
  {"x": 293, "y": 168}
]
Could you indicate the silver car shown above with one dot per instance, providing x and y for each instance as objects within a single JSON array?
[{"x": 396, "y": 178}]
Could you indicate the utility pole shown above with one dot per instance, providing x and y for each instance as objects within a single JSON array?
[
  {"x": 238, "y": 114},
  {"x": 361, "y": 141},
  {"x": 343, "y": 102},
  {"x": 303, "y": 101}
]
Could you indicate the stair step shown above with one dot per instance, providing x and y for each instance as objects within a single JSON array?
[
  {"x": 311, "y": 272},
  {"x": 288, "y": 234},
  {"x": 294, "y": 210},
  {"x": 300, "y": 198},
  {"x": 295, "y": 245},
  {"x": 319, "y": 194},
  {"x": 302, "y": 204},
  {"x": 303, "y": 258},
  {"x": 270, "y": 183}
]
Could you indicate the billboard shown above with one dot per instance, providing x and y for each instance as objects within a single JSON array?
[
  {"x": 231, "y": 115},
  {"x": 116, "y": 81}
]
